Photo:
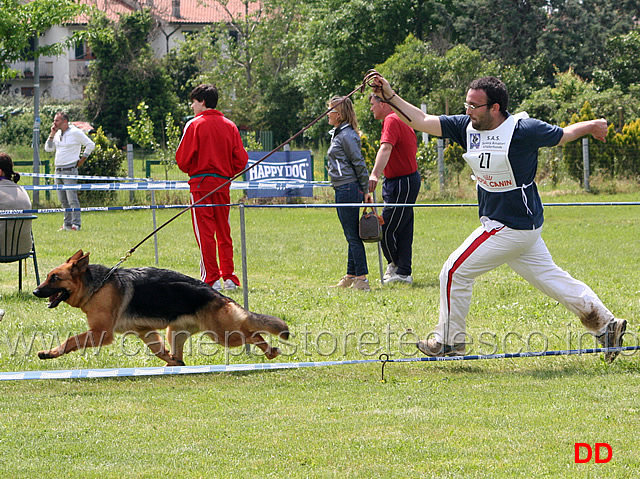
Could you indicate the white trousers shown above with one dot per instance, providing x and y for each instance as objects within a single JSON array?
[{"x": 492, "y": 245}]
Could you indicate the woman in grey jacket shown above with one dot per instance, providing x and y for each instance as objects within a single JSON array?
[{"x": 350, "y": 180}]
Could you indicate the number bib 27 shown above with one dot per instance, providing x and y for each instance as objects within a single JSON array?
[{"x": 488, "y": 156}]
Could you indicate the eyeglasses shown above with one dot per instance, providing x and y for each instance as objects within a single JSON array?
[{"x": 468, "y": 106}]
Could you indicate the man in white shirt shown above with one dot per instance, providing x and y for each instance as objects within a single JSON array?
[{"x": 72, "y": 147}]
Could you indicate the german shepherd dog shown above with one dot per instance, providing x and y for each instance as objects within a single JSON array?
[{"x": 143, "y": 300}]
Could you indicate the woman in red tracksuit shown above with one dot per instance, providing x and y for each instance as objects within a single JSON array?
[{"x": 211, "y": 152}]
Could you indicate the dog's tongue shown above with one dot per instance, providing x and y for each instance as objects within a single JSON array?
[{"x": 55, "y": 300}]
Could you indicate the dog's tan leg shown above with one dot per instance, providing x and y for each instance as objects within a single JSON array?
[
  {"x": 176, "y": 340},
  {"x": 89, "y": 339},
  {"x": 259, "y": 341},
  {"x": 154, "y": 342}
]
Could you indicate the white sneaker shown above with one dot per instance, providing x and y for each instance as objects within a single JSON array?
[
  {"x": 228, "y": 284},
  {"x": 399, "y": 278},
  {"x": 391, "y": 270},
  {"x": 217, "y": 286}
]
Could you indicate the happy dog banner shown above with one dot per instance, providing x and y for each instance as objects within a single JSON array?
[{"x": 281, "y": 166}]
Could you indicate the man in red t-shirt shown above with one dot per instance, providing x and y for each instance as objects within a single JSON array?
[
  {"x": 211, "y": 152},
  {"x": 396, "y": 158}
]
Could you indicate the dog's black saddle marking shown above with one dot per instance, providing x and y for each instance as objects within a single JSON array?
[{"x": 162, "y": 293}]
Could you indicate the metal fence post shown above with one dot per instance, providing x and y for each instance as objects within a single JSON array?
[
  {"x": 441, "y": 162},
  {"x": 243, "y": 244},
  {"x": 425, "y": 136},
  {"x": 130, "y": 165},
  {"x": 36, "y": 123},
  {"x": 155, "y": 235},
  {"x": 245, "y": 280},
  {"x": 585, "y": 163},
  {"x": 375, "y": 200}
]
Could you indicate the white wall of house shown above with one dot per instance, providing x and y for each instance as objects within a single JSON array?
[
  {"x": 66, "y": 83},
  {"x": 60, "y": 76},
  {"x": 167, "y": 37},
  {"x": 64, "y": 77}
]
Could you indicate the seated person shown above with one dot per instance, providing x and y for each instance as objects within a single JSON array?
[{"x": 13, "y": 197}]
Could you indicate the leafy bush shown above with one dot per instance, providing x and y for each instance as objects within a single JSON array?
[
  {"x": 368, "y": 151},
  {"x": 75, "y": 110},
  {"x": 626, "y": 146},
  {"x": 427, "y": 158},
  {"x": 17, "y": 129},
  {"x": 106, "y": 160},
  {"x": 453, "y": 160},
  {"x": 141, "y": 131},
  {"x": 16, "y": 122},
  {"x": 572, "y": 151}
]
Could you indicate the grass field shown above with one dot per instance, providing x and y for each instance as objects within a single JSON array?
[{"x": 484, "y": 419}]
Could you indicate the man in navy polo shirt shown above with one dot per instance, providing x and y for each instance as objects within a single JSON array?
[{"x": 502, "y": 151}]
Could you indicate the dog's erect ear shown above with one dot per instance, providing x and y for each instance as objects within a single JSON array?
[
  {"x": 76, "y": 256},
  {"x": 79, "y": 263}
]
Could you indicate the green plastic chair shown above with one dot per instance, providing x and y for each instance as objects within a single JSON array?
[{"x": 17, "y": 244}]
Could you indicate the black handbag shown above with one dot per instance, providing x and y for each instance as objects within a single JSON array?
[{"x": 370, "y": 227}]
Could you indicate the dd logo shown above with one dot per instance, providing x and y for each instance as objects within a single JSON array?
[{"x": 589, "y": 452}]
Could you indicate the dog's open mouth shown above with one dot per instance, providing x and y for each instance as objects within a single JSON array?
[{"x": 56, "y": 299}]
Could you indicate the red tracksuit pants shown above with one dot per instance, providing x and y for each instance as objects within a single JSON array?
[{"x": 213, "y": 234}]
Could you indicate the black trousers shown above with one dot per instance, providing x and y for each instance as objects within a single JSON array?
[{"x": 397, "y": 231}]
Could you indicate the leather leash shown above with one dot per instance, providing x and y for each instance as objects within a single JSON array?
[
  {"x": 367, "y": 81},
  {"x": 379, "y": 92}
]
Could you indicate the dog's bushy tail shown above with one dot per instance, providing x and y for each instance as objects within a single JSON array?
[{"x": 270, "y": 324}]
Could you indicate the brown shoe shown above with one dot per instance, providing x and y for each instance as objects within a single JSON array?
[
  {"x": 433, "y": 348},
  {"x": 612, "y": 338},
  {"x": 361, "y": 284},
  {"x": 345, "y": 282}
]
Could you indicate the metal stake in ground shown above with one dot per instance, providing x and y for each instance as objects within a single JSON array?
[{"x": 384, "y": 358}]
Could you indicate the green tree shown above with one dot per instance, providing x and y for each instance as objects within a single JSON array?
[
  {"x": 433, "y": 21},
  {"x": 186, "y": 63},
  {"x": 622, "y": 67},
  {"x": 21, "y": 22},
  {"x": 250, "y": 58},
  {"x": 279, "y": 99},
  {"x": 557, "y": 104},
  {"x": 106, "y": 160},
  {"x": 577, "y": 31},
  {"x": 278, "y": 108},
  {"x": 463, "y": 65},
  {"x": 141, "y": 131},
  {"x": 413, "y": 69},
  {"x": 420, "y": 74},
  {"x": 125, "y": 73},
  {"x": 341, "y": 40},
  {"x": 502, "y": 30}
]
